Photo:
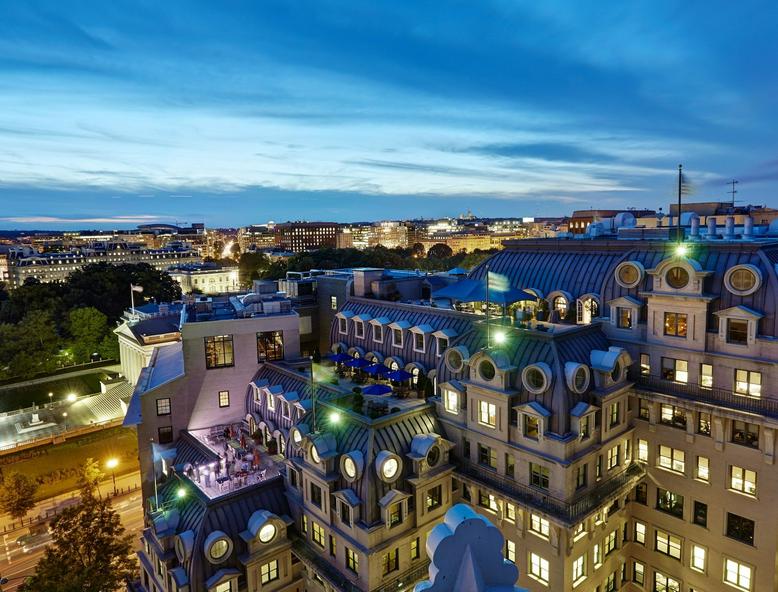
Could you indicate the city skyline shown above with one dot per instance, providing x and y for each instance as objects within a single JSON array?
[{"x": 114, "y": 116}]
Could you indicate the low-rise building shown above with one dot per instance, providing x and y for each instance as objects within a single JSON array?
[{"x": 205, "y": 278}]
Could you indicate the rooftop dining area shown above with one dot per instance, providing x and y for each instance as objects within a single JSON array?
[{"x": 229, "y": 460}]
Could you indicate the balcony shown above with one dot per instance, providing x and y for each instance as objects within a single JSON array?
[
  {"x": 570, "y": 512},
  {"x": 406, "y": 579},
  {"x": 328, "y": 572},
  {"x": 711, "y": 396}
]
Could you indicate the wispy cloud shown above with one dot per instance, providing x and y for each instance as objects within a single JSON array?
[{"x": 121, "y": 220}]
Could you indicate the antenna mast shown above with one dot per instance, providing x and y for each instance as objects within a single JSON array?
[{"x": 733, "y": 191}]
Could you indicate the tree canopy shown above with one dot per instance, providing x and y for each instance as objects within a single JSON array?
[
  {"x": 44, "y": 326},
  {"x": 17, "y": 494},
  {"x": 90, "y": 550}
]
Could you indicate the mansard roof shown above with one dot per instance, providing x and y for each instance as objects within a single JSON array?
[
  {"x": 229, "y": 514},
  {"x": 584, "y": 266},
  {"x": 526, "y": 347},
  {"x": 394, "y": 434}
]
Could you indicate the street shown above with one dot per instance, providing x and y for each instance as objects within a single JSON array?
[{"x": 15, "y": 564}]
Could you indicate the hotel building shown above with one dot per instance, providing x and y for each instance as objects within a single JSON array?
[{"x": 619, "y": 429}]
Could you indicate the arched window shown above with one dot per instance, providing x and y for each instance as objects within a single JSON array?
[
  {"x": 560, "y": 305},
  {"x": 587, "y": 309}
]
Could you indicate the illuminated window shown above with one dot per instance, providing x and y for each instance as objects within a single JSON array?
[
  {"x": 610, "y": 543},
  {"x": 219, "y": 352},
  {"x": 672, "y": 459},
  {"x": 638, "y": 573},
  {"x": 640, "y": 533},
  {"x": 531, "y": 426},
  {"x": 613, "y": 457},
  {"x": 643, "y": 450},
  {"x": 487, "y": 414},
  {"x": 703, "y": 468},
  {"x": 737, "y": 331},
  {"x": 706, "y": 376},
  {"x": 539, "y": 525},
  {"x": 676, "y": 324},
  {"x": 269, "y": 571},
  {"x": 742, "y": 480},
  {"x": 663, "y": 583},
  {"x": 538, "y": 475},
  {"x": 538, "y": 568},
  {"x": 668, "y": 544},
  {"x": 415, "y": 548},
  {"x": 317, "y": 534},
  {"x": 224, "y": 398},
  {"x": 390, "y": 561},
  {"x": 745, "y": 433},
  {"x": 270, "y": 346},
  {"x": 163, "y": 406},
  {"x": 623, "y": 317},
  {"x": 645, "y": 364},
  {"x": 510, "y": 512},
  {"x": 352, "y": 560},
  {"x": 579, "y": 569},
  {"x": 487, "y": 456},
  {"x": 672, "y": 416},
  {"x": 669, "y": 502},
  {"x": 675, "y": 370},
  {"x": 748, "y": 383},
  {"x": 451, "y": 401},
  {"x": 738, "y": 575},
  {"x": 698, "y": 558},
  {"x": 510, "y": 550}
]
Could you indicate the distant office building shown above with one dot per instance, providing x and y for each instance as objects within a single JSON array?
[
  {"x": 21, "y": 263},
  {"x": 581, "y": 219},
  {"x": 256, "y": 237},
  {"x": 362, "y": 236},
  {"x": 305, "y": 236}
]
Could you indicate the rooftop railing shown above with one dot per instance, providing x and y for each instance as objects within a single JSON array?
[
  {"x": 570, "y": 512},
  {"x": 711, "y": 396}
]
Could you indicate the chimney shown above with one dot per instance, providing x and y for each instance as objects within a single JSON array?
[
  {"x": 711, "y": 227},
  {"x": 695, "y": 232},
  {"x": 748, "y": 227},
  {"x": 729, "y": 232}
]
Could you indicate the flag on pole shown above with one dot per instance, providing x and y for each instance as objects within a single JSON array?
[
  {"x": 498, "y": 282},
  {"x": 136, "y": 288},
  {"x": 687, "y": 188}
]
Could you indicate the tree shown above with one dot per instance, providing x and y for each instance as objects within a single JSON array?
[
  {"x": 88, "y": 328},
  {"x": 17, "y": 494},
  {"x": 418, "y": 250},
  {"x": 251, "y": 266},
  {"x": 440, "y": 251},
  {"x": 235, "y": 250},
  {"x": 90, "y": 550}
]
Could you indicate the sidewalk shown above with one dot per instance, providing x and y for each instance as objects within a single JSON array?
[{"x": 49, "y": 507}]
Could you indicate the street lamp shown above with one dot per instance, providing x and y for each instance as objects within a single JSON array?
[
  {"x": 51, "y": 399},
  {"x": 65, "y": 420},
  {"x": 112, "y": 463}
]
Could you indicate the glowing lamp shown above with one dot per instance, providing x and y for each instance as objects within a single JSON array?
[
  {"x": 681, "y": 250},
  {"x": 500, "y": 338}
]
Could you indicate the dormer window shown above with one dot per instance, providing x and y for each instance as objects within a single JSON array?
[
  {"x": 584, "y": 427},
  {"x": 737, "y": 331},
  {"x": 560, "y": 304},
  {"x": 271, "y": 402},
  {"x": 359, "y": 329},
  {"x": 397, "y": 337},
  {"x": 487, "y": 414},
  {"x": 378, "y": 333},
  {"x": 624, "y": 317},
  {"x": 743, "y": 280},
  {"x": 418, "y": 342},
  {"x": 531, "y": 426},
  {"x": 451, "y": 401},
  {"x": 342, "y": 326},
  {"x": 442, "y": 345}
]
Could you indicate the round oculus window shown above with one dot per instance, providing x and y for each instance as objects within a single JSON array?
[
  {"x": 297, "y": 436},
  {"x": 219, "y": 549},
  {"x": 743, "y": 280},
  {"x": 486, "y": 370},
  {"x": 315, "y": 455},
  {"x": 454, "y": 360},
  {"x": 433, "y": 456},
  {"x": 677, "y": 278},
  {"x": 581, "y": 379},
  {"x": 616, "y": 372},
  {"x": 267, "y": 533},
  {"x": 628, "y": 275},
  {"x": 390, "y": 468},
  {"x": 535, "y": 379},
  {"x": 350, "y": 467}
]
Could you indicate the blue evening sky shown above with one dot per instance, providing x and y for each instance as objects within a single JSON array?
[{"x": 115, "y": 113}]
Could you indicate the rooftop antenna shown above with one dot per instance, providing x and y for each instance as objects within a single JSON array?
[{"x": 733, "y": 191}]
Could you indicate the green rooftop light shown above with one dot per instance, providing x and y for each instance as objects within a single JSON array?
[
  {"x": 335, "y": 417},
  {"x": 681, "y": 250},
  {"x": 500, "y": 338},
  {"x": 181, "y": 493}
]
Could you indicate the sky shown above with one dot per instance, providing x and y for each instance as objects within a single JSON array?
[{"x": 232, "y": 113}]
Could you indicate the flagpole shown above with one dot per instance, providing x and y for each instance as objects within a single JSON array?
[
  {"x": 313, "y": 397},
  {"x": 132, "y": 300},
  {"x": 488, "y": 334},
  {"x": 679, "y": 236}
]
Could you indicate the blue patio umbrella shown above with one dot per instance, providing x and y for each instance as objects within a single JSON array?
[
  {"x": 399, "y": 375},
  {"x": 357, "y": 363},
  {"x": 377, "y": 369},
  {"x": 339, "y": 357},
  {"x": 377, "y": 389}
]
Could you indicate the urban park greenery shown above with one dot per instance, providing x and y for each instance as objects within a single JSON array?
[{"x": 46, "y": 326}]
